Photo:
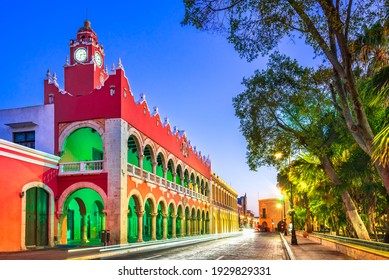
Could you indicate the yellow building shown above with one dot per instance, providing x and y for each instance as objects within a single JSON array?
[{"x": 224, "y": 206}]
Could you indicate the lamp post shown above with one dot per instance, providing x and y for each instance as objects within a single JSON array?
[
  {"x": 284, "y": 220},
  {"x": 294, "y": 238},
  {"x": 283, "y": 212}
]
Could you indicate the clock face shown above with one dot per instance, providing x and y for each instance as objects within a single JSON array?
[
  {"x": 98, "y": 59},
  {"x": 80, "y": 55}
]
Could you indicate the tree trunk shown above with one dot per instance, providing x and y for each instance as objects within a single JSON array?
[
  {"x": 355, "y": 219},
  {"x": 386, "y": 237},
  {"x": 351, "y": 210},
  {"x": 383, "y": 171},
  {"x": 308, "y": 220}
]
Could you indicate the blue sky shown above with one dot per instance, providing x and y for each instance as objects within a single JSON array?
[{"x": 191, "y": 76}]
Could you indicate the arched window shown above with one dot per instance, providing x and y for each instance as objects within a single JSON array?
[
  {"x": 160, "y": 165},
  {"x": 147, "y": 159},
  {"x": 186, "y": 179},
  {"x": 179, "y": 175},
  {"x": 170, "y": 171},
  {"x": 132, "y": 154}
]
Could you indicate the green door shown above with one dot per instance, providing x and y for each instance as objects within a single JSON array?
[{"x": 36, "y": 217}]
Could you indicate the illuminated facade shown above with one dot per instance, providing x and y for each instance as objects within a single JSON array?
[
  {"x": 272, "y": 212},
  {"x": 225, "y": 206},
  {"x": 118, "y": 166}
]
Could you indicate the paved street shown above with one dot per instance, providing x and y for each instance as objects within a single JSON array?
[{"x": 248, "y": 246}]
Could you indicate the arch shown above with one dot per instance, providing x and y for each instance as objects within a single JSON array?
[
  {"x": 202, "y": 188},
  {"x": 202, "y": 228},
  {"x": 170, "y": 173},
  {"x": 76, "y": 125},
  {"x": 138, "y": 195},
  {"x": 85, "y": 217},
  {"x": 164, "y": 154},
  {"x": 161, "y": 215},
  {"x": 194, "y": 221},
  {"x": 179, "y": 175},
  {"x": 192, "y": 181},
  {"x": 82, "y": 144},
  {"x": 148, "y": 158},
  {"x": 151, "y": 197},
  {"x": 150, "y": 211},
  {"x": 180, "y": 220},
  {"x": 171, "y": 215},
  {"x": 161, "y": 165},
  {"x": 198, "y": 221},
  {"x": 188, "y": 220},
  {"x": 198, "y": 187},
  {"x": 133, "y": 150},
  {"x": 135, "y": 206},
  {"x": 186, "y": 178},
  {"x": 207, "y": 223},
  {"x": 72, "y": 188}
]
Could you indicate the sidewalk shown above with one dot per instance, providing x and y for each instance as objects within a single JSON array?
[{"x": 311, "y": 250}]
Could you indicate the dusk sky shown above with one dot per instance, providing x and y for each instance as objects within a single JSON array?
[{"x": 191, "y": 76}]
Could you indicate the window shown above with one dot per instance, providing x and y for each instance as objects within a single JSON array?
[
  {"x": 25, "y": 138},
  {"x": 97, "y": 154},
  {"x": 264, "y": 213},
  {"x": 51, "y": 98}
]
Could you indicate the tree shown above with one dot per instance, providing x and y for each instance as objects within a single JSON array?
[
  {"x": 287, "y": 105},
  {"x": 256, "y": 27}
]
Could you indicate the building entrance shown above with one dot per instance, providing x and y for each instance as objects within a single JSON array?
[{"x": 36, "y": 217}]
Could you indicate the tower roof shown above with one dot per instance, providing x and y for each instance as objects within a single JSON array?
[
  {"x": 86, "y": 32},
  {"x": 86, "y": 27}
]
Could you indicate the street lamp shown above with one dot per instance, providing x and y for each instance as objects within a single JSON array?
[
  {"x": 294, "y": 238},
  {"x": 283, "y": 215}
]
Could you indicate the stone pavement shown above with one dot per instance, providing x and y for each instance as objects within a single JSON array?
[{"x": 308, "y": 249}]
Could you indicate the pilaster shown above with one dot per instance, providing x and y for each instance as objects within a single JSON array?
[{"x": 116, "y": 160}]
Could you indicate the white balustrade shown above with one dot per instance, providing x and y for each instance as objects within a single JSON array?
[
  {"x": 137, "y": 172},
  {"x": 81, "y": 167}
]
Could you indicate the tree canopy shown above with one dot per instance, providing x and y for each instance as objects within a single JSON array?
[{"x": 287, "y": 105}]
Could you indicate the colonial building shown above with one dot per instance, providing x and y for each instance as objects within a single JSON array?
[
  {"x": 107, "y": 163},
  {"x": 273, "y": 212},
  {"x": 225, "y": 207}
]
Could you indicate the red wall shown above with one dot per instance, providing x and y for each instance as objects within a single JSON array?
[
  {"x": 100, "y": 104},
  {"x": 15, "y": 175}
]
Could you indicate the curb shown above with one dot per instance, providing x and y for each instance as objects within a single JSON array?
[{"x": 286, "y": 246}]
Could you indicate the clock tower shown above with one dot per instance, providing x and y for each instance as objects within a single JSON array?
[{"x": 84, "y": 70}]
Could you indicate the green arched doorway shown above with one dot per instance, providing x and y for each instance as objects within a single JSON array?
[
  {"x": 84, "y": 217},
  {"x": 147, "y": 220},
  {"x": 132, "y": 220}
]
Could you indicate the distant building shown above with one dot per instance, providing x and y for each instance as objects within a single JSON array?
[
  {"x": 246, "y": 216},
  {"x": 272, "y": 213}
]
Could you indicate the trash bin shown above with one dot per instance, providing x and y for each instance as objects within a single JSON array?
[{"x": 105, "y": 236}]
